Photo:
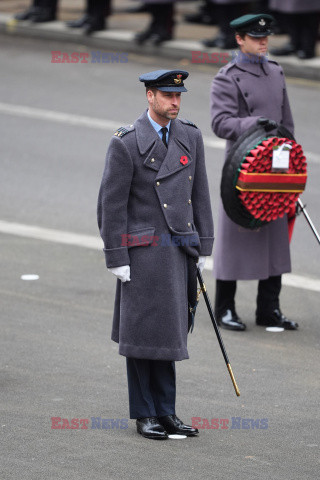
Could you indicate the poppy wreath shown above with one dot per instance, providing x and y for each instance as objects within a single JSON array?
[{"x": 252, "y": 194}]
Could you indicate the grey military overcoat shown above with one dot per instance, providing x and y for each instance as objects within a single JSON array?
[
  {"x": 240, "y": 94},
  {"x": 295, "y": 6},
  {"x": 153, "y": 210}
]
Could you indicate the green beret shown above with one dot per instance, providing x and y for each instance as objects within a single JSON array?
[{"x": 258, "y": 25}]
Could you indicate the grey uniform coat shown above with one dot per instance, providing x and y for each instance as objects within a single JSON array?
[
  {"x": 295, "y": 6},
  {"x": 240, "y": 94},
  {"x": 158, "y": 200}
]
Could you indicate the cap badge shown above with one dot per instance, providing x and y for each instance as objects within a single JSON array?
[
  {"x": 262, "y": 22},
  {"x": 184, "y": 160},
  {"x": 178, "y": 79}
]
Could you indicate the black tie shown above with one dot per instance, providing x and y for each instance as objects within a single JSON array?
[{"x": 164, "y": 136}]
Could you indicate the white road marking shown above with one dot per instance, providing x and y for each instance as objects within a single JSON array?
[
  {"x": 101, "y": 124},
  {"x": 29, "y": 276},
  {"x": 95, "y": 243}
]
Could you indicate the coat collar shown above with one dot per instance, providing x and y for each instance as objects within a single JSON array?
[
  {"x": 252, "y": 64},
  {"x": 157, "y": 157},
  {"x": 145, "y": 133}
]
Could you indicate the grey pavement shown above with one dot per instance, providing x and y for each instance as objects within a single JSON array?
[
  {"x": 56, "y": 357},
  {"x": 122, "y": 27}
]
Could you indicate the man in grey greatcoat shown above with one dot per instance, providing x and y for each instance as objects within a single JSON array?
[
  {"x": 155, "y": 219},
  {"x": 247, "y": 91}
]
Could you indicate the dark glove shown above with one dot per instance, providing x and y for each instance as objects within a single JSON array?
[{"x": 267, "y": 124}]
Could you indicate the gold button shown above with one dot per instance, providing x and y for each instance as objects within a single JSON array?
[
  {"x": 158, "y": 183},
  {"x": 189, "y": 224},
  {"x": 189, "y": 201},
  {"x": 190, "y": 178},
  {"x": 165, "y": 205},
  {"x": 152, "y": 160}
]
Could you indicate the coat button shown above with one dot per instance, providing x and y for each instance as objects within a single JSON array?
[
  {"x": 189, "y": 224},
  {"x": 190, "y": 178},
  {"x": 152, "y": 160},
  {"x": 238, "y": 79},
  {"x": 158, "y": 183},
  {"x": 189, "y": 201},
  {"x": 246, "y": 94},
  {"x": 165, "y": 205},
  {"x": 251, "y": 110}
]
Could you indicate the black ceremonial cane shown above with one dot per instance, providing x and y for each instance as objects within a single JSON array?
[
  {"x": 302, "y": 208},
  {"x": 215, "y": 325}
]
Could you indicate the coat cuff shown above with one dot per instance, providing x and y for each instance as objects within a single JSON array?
[
  {"x": 116, "y": 257},
  {"x": 206, "y": 246}
]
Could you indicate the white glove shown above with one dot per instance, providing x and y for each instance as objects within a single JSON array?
[
  {"x": 123, "y": 273},
  {"x": 201, "y": 262}
]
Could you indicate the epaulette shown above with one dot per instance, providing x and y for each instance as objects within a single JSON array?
[
  {"x": 188, "y": 122},
  {"x": 123, "y": 131}
]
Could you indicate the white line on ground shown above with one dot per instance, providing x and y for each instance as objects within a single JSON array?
[
  {"x": 95, "y": 243},
  {"x": 100, "y": 124}
]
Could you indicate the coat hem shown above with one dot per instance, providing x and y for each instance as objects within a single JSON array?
[{"x": 149, "y": 353}]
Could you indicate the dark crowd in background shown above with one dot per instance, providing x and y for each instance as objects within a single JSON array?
[{"x": 296, "y": 18}]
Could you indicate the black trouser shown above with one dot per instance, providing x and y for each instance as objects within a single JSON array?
[
  {"x": 223, "y": 14},
  {"x": 303, "y": 30},
  {"x": 98, "y": 8},
  {"x": 152, "y": 387},
  {"x": 51, "y": 5},
  {"x": 267, "y": 298}
]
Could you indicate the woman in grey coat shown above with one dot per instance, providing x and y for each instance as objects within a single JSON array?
[
  {"x": 155, "y": 219},
  {"x": 244, "y": 91}
]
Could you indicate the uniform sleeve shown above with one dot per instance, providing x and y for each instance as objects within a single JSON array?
[
  {"x": 226, "y": 122},
  {"x": 287, "y": 118},
  {"x": 113, "y": 203},
  {"x": 202, "y": 213}
]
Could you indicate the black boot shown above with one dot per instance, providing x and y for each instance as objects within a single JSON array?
[
  {"x": 224, "y": 14},
  {"x": 205, "y": 15},
  {"x": 81, "y": 22},
  {"x": 275, "y": 319},
  {"x": 30, "y": 12},
  {"x": 161, "y": 25},
  {"x": 98, "y": 11},
  {"x": 47, "y": 11},
  {"x": 225, "y": 310}
]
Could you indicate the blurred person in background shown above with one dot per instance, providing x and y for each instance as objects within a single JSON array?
[
  {"x": 161, "y": 26},
  {"x": 39, "y": 11},
  {"x": 94, "y": 18},
  {"x": 301, "y": 19}
]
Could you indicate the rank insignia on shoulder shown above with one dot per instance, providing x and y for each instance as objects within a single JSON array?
[
  {"x": 188, "y": 122},
  {"x": 123, "y": 131}
]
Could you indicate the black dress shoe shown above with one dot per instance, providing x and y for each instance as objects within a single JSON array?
[
  {"x": 81, "y": 22},
  {"x": 276, "y": 319},
  {"x": 158, "y": 38},
  {"x": 94, "y": 26},
  {"x": 142, "y": 37},
  {"x": 43, "y": 15},
  {"x": 27, "y": 14},
  {"x": 304, "y": 55},
  {"x": 230, "y": 321},
  {"x": 287, "y": 49},
  {"x": 150, "y": 427},
  {"x": 173, "y": 425}
]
